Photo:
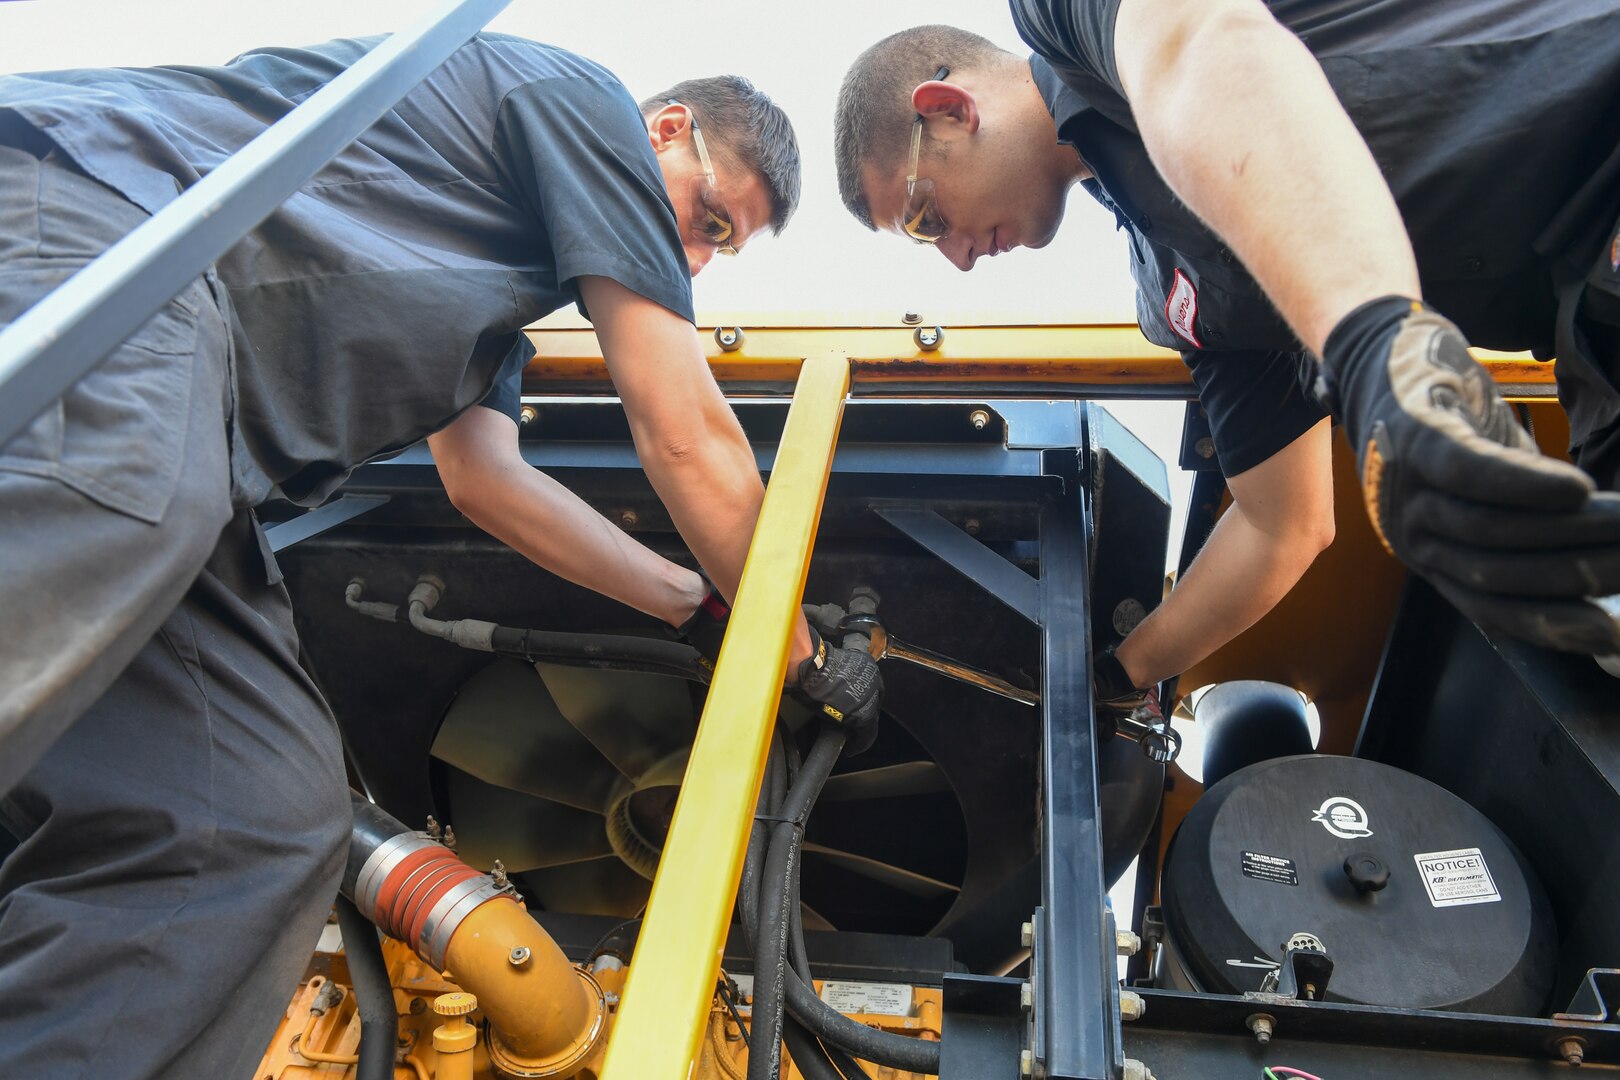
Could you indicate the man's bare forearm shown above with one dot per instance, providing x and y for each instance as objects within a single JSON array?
[{"x": 1241, "y": 121}]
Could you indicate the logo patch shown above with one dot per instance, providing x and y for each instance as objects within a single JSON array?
[
  {"x": 1181, "y": 309},
  {"x": 1343, "y": 817}
]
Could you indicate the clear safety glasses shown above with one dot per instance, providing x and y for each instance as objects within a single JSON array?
[
  {"x": 921, "y": 219},
  {"x": 715, "y": 224}
]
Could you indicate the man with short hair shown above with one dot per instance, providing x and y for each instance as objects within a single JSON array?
[
  {"x": 174, "y": 777},
  {"x": 1232, "y": 142}
]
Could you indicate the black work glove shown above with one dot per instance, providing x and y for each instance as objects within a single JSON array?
[
  {"x": 842, "y": 685},
  {"x": 1117, "y": 696},
  {"x": 1457, "y": 490},
  {"x": 706, "y": 629}
]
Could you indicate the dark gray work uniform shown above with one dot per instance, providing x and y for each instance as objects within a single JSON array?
[
  {"x": 1497, "y": 125},
  {"x": 181, "y": 843}
]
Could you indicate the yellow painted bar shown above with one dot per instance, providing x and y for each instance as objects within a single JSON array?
[
  {"x": 970, "y": 360},
  {"x": 671, "y": 984}
]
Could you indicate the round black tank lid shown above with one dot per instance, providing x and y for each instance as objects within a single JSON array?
[{"x": 1421, "y": 902}]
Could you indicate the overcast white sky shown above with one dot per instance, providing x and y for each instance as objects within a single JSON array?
[{"x": 825, "y": 268}]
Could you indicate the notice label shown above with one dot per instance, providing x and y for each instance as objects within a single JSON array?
[
  {"x": 882, "y": 999},
  {"x": 1270, "y": 868},
  {"x": 1455, "y": 878}
]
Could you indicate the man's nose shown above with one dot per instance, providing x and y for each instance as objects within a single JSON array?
[{"x": 958, "y": 250}]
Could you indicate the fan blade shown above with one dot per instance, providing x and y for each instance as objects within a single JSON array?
[
  {"x": 633, "y": 719},
  {"x": 504, "y": 729},
  {"x": 908, "y": 778},
  {"x": 524, "y": 832},
  {"x": 813, "y": 919},
  {"x": 893, "y": 876},
  {"x": 602, "y": 886}
]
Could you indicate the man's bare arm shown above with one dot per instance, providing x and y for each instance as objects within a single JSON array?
[
  {"x": 1241, "y": 122},
  {"x": 487, "y": 479},
  {"x": 688, "y": 439},
  {"x": 1281, "y": 518}
]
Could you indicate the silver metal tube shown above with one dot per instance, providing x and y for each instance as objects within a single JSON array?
[{"x": 61, "y": 338}]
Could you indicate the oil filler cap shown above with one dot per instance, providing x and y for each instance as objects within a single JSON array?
[{"x": 456, "y": 1004}]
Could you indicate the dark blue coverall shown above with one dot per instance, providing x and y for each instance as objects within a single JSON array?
[{"x": 181, "y": 843}]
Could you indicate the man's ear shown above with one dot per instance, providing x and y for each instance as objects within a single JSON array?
[
  {"x": 668, "y": 126},
  {"x": 939, "y": 100}
]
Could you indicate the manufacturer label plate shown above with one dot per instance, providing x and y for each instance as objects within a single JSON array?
[{"x": 882, "y": 999}]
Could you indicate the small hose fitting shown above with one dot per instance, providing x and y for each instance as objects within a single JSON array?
[
  {"x": 372, "y": 608},
  {"x": 467, "y": 633}
]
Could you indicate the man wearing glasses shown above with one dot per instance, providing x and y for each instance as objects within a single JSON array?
[
  {"x": 1231, "y": 156},
  {"x": 182, "y": 841}
]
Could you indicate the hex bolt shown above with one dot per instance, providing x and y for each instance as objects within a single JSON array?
[
  {"x": 1131, "y": 1005},
  {"x": 729, "y": 338},
  {"x": 971, "y": 526},
  {"x": 1026, "y": 1063},
  {"x": 980, "y": 419},
  {"x": 1572, "y": 1051},
  {"x": 518, "y": 956},
  {"x": 1136, "y": 1070},
  {"x": 1026, "y": 996},
  {"x": 1205, "y": 448},
  {"x": 911, "y": 318},
  {"x": 1127, "y": 943},
  {"x": 628, "y": 519},
  {"x": 528, "y": 415},
  {"x": 928, "y": 338},
  {"x": 1263, "y": 1027},
  {"x": 1026, "y": 935}
]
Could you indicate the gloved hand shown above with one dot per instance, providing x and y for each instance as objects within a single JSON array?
[
  {"x": 843, "y": 685},
  {"x": 1457, "y": 490},
  {"x": 1117, "y": 696},
  {"x": 706, "y": 629}
]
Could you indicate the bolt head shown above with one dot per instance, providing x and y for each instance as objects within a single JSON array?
[
  {"x": 519, "y": 956},
  {"x": 628, "y": 519},
  {"x": 1026, "y": 935},
  {"x": 911, "y": 318},
  {"x": 1026, "y": 1063},
  {"x": 980, "y": 419},
  {"x": 1127, "y": 943},
  {"x": 1205, "y": 448},
  {"x": 1026, "y": 996}
]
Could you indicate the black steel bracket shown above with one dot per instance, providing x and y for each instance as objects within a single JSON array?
[
  {"x": 970, "y": 558},
  {"x": 285, "y": 534}
]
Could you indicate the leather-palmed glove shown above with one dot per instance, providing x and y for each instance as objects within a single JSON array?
[
  {"x": 706, "y": 628},
  {"x": 1457, "y": 490},
  {"x": 1117, "y": 696},
  {"x": 842, "y": 685}
]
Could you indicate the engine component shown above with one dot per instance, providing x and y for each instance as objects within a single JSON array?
[
  {"x": 1248, "y": 721},
  {"x": 546, "y": 1016},
  {"x": 1420, "y": 901}
]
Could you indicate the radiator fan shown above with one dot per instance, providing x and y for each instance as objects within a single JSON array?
[{"x": 569, "y": 775}]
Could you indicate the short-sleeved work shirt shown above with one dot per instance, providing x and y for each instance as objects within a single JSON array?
[
  {"x": 388, "y": 294},
  {"x": 1495, "y": 122}
]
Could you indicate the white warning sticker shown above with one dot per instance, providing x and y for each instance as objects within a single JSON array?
[
  {"x": 881, "y": 999},
  {"x": 1455, "y": 878}
]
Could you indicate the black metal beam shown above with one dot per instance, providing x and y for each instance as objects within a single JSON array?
[
  {"x": 1076, "y": 1023},
  {"x": 287, "y": 533},
  {"x": 989, "y": 571},
  {"x": 65, "y": 335}
]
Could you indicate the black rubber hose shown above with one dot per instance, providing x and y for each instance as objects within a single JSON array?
[
  {"x": 613, "y": 652},
  {"x": 827, "y": 1023},
  {"x": 373, "y": 994},
  {"x": 770, "y": 954},
  {"x": 810, "y": 1056}
]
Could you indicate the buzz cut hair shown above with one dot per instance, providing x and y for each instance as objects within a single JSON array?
[
  {"x": 747, "y": 127},
  {"x": 872, "y": 120}
]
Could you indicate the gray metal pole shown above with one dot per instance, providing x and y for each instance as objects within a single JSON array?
[{"x": 66, "y": 334}]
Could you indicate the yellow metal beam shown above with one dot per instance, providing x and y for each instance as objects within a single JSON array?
[
  {"x": 666, "y": 1001},
  {"x": 979, "y": 361}
]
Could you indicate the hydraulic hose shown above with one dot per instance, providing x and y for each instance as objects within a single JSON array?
[
  {"x": 770, "y": 955},
  {"x": 802, "y": 1002},
  {"x": 373, "y": 993},
  {"x": 613, "y": 652}
]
